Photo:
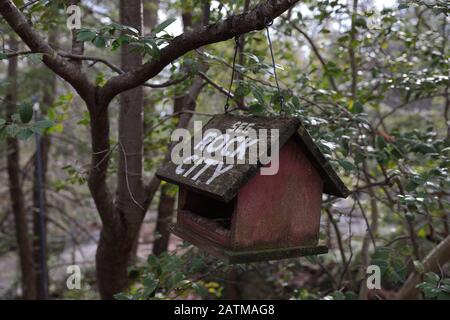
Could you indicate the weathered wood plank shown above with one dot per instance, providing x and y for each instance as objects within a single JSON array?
[
  {"x": 236, "y": 257},
  {"x": 332, "y": 183}
]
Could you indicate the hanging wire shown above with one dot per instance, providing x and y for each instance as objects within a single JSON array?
[
  {"x": 233, "y": 68},
  {"x": 268, "y": 22}
]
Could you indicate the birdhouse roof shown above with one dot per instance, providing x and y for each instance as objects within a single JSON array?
[{"x": 223, "y": 181}]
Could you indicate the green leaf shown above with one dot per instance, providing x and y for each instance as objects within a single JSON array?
[
  {"x": 15, "y": 117},
  {"x": 356, "y": 107},
  {"x": 35, "y": 58},
  {"x": 150, "y": 284},
  {"x": 85, "y": 120},
  {"x": 41, "y": 125},
  {"x": 85, "y": 35},
  {"x": 296, "y": 102},
  {"x": 432, "y": 277},
  {"x": 121, "y": 40},
  {"x": 152, "y": 48},
  {"x": 153, "y": 260},
  {"x": 100, "y": 80},
  {"x": 3, "y": 55},
  {"x": 360, "y": 22},
  {"x": 163, "y": 25},
  {"x": 347, "y": 165},
  {"x": 115, "y": 26},
  {"x": 256, "y": 108},
  {"x": 200, "y": 290},
  {"x": 381, "y": 143},
  {"x": 12, "y": 130},
  {"x": 359, "y": 157},
  {"x": 424, "y": 148},
  {"x": 242, "y": 90},
  {"x": 175, "y": 280},
  {"x": 26, "y": 112},
  {"x": 335, "y": 295},
  {"x": 122, "y": 296},
  {"x": 419, "y": 266},
  {"x": 258, "y": 93},
  {"x": 19, "y": 3},
  {"x": 2, "y": 122},
  {"x": 99, "y": 42},
  {"x": 410, "y": 216},
  {"x": 24, "y": 134}
]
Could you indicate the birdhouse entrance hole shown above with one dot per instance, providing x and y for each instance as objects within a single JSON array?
[{"x": 207, "y": 215}]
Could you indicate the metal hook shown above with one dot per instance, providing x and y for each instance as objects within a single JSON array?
[{"x": 268, "y": 21}]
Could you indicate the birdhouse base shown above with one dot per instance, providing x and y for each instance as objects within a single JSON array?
[{"x": 244, "y": 256}]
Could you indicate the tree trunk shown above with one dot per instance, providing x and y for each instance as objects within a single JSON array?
[
  {"x": 17, "y": 197},
  {"x": 112, "y": 258},
  {"x": 114, "y": 244},
  {"x": 130, "y": 187},
  {"x": 118, "y": 238},
  {"x": 150, "y": 13},
  {"x": 165, "y": 211},
  {"x": 150, "y": 9}
]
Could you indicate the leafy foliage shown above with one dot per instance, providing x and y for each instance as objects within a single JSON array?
[
  {"x": 435, "y": 287},
  {"x": 170, "y": 276},
  {"x": 19, "y": 125}
]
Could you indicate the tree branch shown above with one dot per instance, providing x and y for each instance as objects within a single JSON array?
[
  {"x": 222, "y": 90},
  {"x": 316, "y": 52},
  {"x": 198, "y": 37},
  {"x": 116, "y": 69},
  {"x": 190, "y": 40},
  {"x": 436, "y": 258},
  {"x": 65, "y": 69}
]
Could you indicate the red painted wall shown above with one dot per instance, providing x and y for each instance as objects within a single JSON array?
[{"x": 282, "y": 210}]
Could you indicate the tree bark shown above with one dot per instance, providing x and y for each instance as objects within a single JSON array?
[
  {"x": 116, "y": 245},
  {"x": 110, "y": 266},
  {"x": 130, "y": 188},
  {"x": 431, "y": 263},
  {"x": 150, "y": 13},
  {"x": 150, "y": 8},
  {"x": 15, "y": 189},
  {"x": 165, "y": 211}
]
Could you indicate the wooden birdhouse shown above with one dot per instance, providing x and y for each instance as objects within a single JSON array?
[{"x": 237, "y": 212}]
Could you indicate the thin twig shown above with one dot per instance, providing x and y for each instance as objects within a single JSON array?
[{"x": 126, "y": 177}]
